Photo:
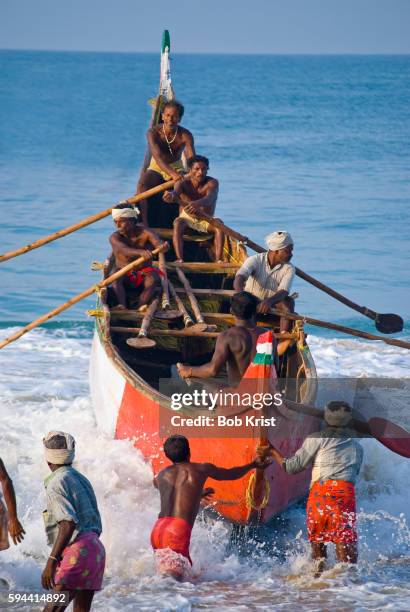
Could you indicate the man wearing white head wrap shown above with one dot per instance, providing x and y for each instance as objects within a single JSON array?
[
  {"x": 131, "y": 241},
  {"x": 73, "y": 526},
  {"x": 336, "y": 458},
  {"x": 269, "y": 276},
  {"x": 125, "y": 213}
]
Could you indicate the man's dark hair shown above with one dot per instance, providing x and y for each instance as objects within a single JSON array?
[
  {"x": 244, "y": 304},
  {"x": 56, "y": 441},
  {"x": 176, "y": 448},
  {"x": 175, "y": 104},
  {"x": 197, "y": 158},
  {"x": 337, "y": 404}
]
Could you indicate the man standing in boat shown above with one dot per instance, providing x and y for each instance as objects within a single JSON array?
[
  {"x": 131, "y": 241},
  {"x": 336, "y": 457},
  {"x": 181, "y": 487},
  {"x": 197, "y": 192},
  {"x": 167, "y": 142},
  {"x": 8, "y": 519},
  {"x": 269, "y": 276},
  {"x": 236, "y": 347}
]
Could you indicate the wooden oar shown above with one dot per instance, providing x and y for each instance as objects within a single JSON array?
[
  {"x": 188, "y": 322},
  {"x": 378, "y": 428},
  {"x": 77, "y": 298},
  {"x": 200, "y": 322},
  {"x": 387, "y": 323},
  {"x": 88, "y": 221},
  {"x": 142, "y": 341},
  {"x": 166, "y": 312},
  {"x": 342, "y": 328}
]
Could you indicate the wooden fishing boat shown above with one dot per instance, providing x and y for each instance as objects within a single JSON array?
[{"x": 126, "y": 383}]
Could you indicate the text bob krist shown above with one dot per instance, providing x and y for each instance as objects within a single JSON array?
[{"x": 222, "y": 399}]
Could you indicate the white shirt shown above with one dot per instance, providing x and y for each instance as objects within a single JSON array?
[{"x": 264, "y": 281}]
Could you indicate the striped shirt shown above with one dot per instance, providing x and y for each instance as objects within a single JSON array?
[
  {"x": 264, "y": 281},
  {"x": 332, "y": 453},
  {"x": 70, "y": 497}
]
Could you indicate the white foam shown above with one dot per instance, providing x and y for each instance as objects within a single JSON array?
[{"x": 44, "y": 386}]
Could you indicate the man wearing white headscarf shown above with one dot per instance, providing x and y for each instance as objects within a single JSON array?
[
  {"x": 269, "y": 276},
  {"x": 73, "y": 526},
  {"x": 335, "y": 457},
  {"x": 131, "y": 241}
]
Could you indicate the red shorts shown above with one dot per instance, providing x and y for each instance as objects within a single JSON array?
[
  {"x": 136, "y": 277},
  {"x": 331, "y": 512},
  {"x": 174, "y": 533}
]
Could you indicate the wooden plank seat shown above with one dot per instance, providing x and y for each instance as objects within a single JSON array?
[{"x": 166, "y": 233}]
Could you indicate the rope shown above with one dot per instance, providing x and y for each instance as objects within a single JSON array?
[{"x": 250, "y": 501}]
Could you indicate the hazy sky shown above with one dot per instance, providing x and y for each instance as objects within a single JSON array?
[{"x": 220, "y": 26}]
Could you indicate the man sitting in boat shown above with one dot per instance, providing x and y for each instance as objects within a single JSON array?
[
  {"x": 131, "y": 241},
  {"x": 197, "y": 192},
  {"x": 236, "y": 347},
  {"x": 269, "y": 276},
  {"x": 181, "y": 487},
  {"x": 167, "y": 142}
]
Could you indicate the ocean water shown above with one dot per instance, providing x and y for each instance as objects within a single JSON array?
[{"x": 315, "y": 145}]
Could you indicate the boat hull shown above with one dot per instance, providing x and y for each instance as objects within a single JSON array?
[{"x": 126, "y": 408}]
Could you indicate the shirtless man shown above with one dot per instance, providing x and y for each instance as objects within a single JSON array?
[
  {"x": 130, "y": 241},
  {"x": 197, "y": 192},
  {"x": 167, "y": 141},
  {"x": 235, "y": 348},
  {"x": 181, "y": 487},
  {"x": 8, "y": 520}
]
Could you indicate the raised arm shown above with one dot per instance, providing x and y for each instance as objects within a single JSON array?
[
  {"x": 153, "y": 142},
  {"x": 15, "y": 528},
  {"x": 234, "y": 473}
]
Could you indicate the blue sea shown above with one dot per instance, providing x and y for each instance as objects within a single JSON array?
[{"x": 316, "y": 145}]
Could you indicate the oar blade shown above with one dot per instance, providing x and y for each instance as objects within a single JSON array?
[
  {"x": 141, "y": 343},
  {"x": 389, "y": 323},
  {"x": 391, "y": 435}
]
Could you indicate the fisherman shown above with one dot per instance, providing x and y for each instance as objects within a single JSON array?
[
  {"x": 269, "y": 276},
  {"x": 336, "y": 458},
  {"x": 181, "y": 488},
  {"x": 9, "y": 522},
  {"x": 197, "y": 192},
  {"x": 235, "y": 347},
  {"x": 131, "y": 241},
  {"x": 167, "y": 142},
  {"x": 73, "y": 527}
]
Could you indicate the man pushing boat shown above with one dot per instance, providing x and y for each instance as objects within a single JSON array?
[
  {"x": 167, "y": 142},
  {"x": 336, "y": 458},
  {"x": 196, "y": 192},
  {"x": 130, "y": 241},
  {"x": 181, "y": 488}
]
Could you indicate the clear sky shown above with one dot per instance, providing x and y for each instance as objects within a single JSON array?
[{"x": 219, "y": 26}]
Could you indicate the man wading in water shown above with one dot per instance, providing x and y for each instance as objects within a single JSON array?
[
  {"x": 181, "y": 487},
  {"x": 336, "y": 458}
]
